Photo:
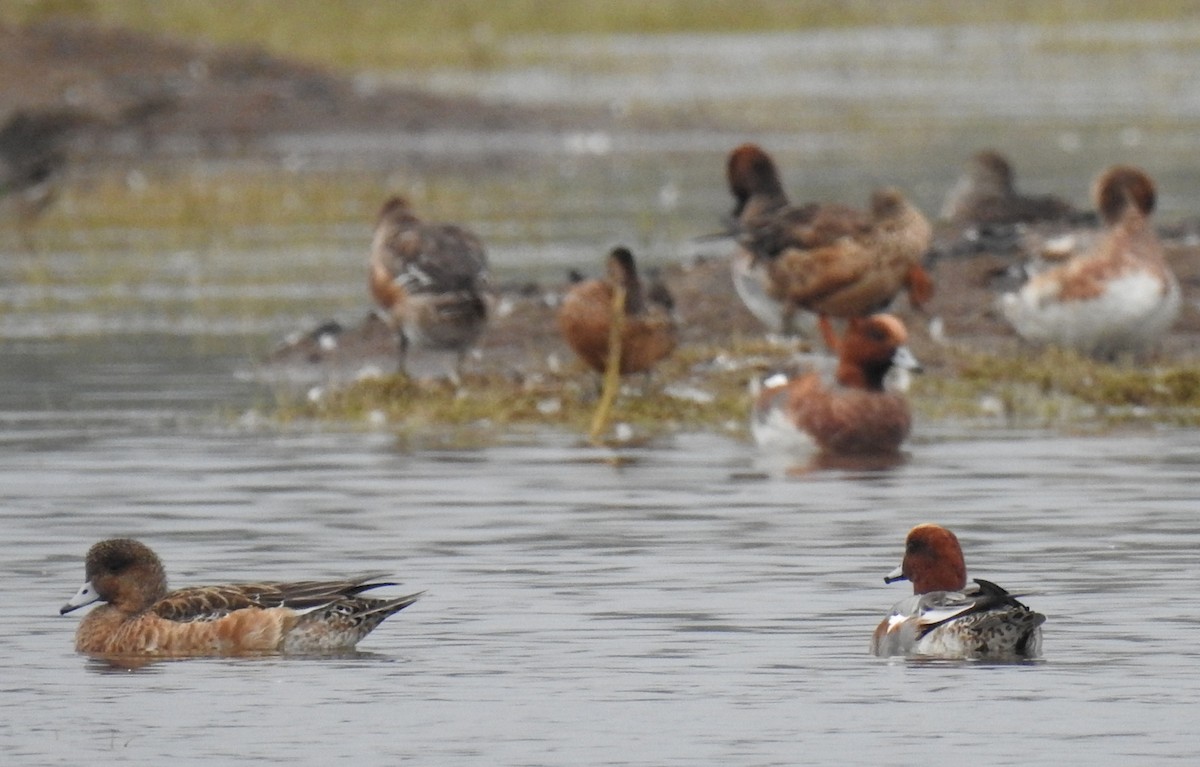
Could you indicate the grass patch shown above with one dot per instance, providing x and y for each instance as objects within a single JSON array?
[
  {"x": 1055, "y": 387},
  {"x": 704, "y": 388},
  {"x": 689, "y": 392}
]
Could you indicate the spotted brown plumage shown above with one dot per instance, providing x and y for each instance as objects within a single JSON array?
[
  {"x": 430, "y": 279},
  {"x": 142, "y": 617},
  {"x": 829, "y": 259},
  {"x": 986, "y": 195}
]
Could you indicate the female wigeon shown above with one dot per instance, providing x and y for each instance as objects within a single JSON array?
[
  {"x": 829, "y": 259},
  {"x": 586, "y": 313},
  {"x": 142, "y": 618},
  {"x": 430, "y": 280},
  {"x": 948, "y": 618},
  {"x": 1118, "y": 295},
  {"x": 985, "y": 195},
  {"x": 851, "y": 414}
]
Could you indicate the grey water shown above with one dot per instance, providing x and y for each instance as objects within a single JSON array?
[{"x": 690, "y": 601}]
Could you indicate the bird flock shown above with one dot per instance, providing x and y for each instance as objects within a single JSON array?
[
  {"x": 1094, "y": 282},
  {"x": 1098, "y": 284}
]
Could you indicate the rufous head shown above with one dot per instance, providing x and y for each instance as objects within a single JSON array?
[
  {"x": 751, "y": 171},
  {"x": 870, "y": 348},
  {"x": 933, "y": 561},
  {"x": 1122, "y": 188}
]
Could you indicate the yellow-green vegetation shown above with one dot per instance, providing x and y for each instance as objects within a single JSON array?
[
  {"x": 493, "y": 404},
  {"x": 413, "y": 34},
  {"x": 1057, "y": 388},
  {"x": 200, "y": 206},
  {"x": 1050, "y": 389}
]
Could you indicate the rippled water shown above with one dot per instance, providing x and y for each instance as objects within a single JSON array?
[{"x": 692, "y": 603}]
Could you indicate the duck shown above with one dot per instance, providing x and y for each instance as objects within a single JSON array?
[
  {"x": 430, "y": 281},
  {"x": 34, "y": 161},
  {"x": 141, "y": 617},
  {"x": 757, "y": 191},
  {"x": 949, "y": 618},
  {"x": 850, "y": 412},
  {"x": 985, "y": 195},
  {"x": 1117, "y": 295},
  {"x": 829, "y": 259},
  {"x": 649, "y": 333}
]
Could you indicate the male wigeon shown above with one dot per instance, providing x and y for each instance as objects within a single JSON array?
[
  {"x": 948, "y": 618},
  {"x": 430, "y": 280},
  {"x": 824, "y": 258},
  {"x": 142, "y": 618},
  {"x": 986, "y": 195},
  {"x": 758, "y": 193},
  {"x": 852, "y": 414},
  {"x": 585, "y": 317},
  {"x": 1118, "y": 295}
]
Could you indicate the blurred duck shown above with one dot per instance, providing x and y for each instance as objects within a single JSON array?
[
  {"x": 1117, "y": 295},
  {"x": 948, "y": 618},
  {"x": 758, "y": 193},
  {"x": 985, "y": 195},
  {"x": 141, "y": 617},
  {"x": 33, "y": 161},
  {"x": 824, "y": 258},
  {"x": 430, "y": 280},
  {"x": 850, "y": 413},
  {"x": 586, "y": 313}
]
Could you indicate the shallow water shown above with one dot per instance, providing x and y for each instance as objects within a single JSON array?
[
  {"x": 696, "y": 602},
  {"x": 693, "y": 602}
]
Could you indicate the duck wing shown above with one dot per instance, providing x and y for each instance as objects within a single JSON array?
[{"x": 200, "y": 603}]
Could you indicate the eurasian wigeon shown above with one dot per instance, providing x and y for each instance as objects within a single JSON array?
[
  {"x": 142, "y": 618},
  {"x": 948, "y": 618},
  {"x": 829, "y": 259},
  {"x": 985, "y": 195},
  {"x": 1118, "y": 295},
  {"x": 585, "y": 317},
  {"x": 851, "y": 414},
  {"x": 758, "y": 193},
  {"x": 430, "y": 280}
]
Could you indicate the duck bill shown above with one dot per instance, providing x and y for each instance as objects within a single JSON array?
[
  {"x": 85, "y": 596},
  {"x": 895, "y": 575},
  {"x": 904, "y": 359}
]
